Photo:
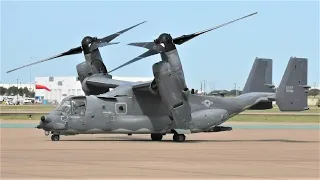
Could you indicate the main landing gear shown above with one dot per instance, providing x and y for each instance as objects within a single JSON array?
[
  {"x": 55, "y": 137},
  {"x": 179, "y": 137},
  {"x": 156, "y": 137},
  {"x": 176, "y": 137}
]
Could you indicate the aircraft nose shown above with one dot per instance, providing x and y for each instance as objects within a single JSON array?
[
  {"x": 45, "y": 122},
  {"x": 39, "y": 126},
  {"x": 51, "y": 122},
  {"x": 47, "y": 119},
  {"x": 41, "y": 123}
]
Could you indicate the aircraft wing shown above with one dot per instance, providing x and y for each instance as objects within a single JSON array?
[
  {"x": 142, "y": 86},
  {"x": 104, "y": 82},
  {"x": 272, "y": 97},
  {"x": 267, "y": 98}
]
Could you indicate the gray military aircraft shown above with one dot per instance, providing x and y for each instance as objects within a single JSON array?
[
  {"x": 132, "y": 108},
  {"x": 165, "y": 104}
]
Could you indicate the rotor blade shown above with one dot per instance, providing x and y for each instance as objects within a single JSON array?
[
  {"x": 70, "y": 52},
  {"x": 182, "y": 39},
  {"x": 112, "y": 36},
  {"x": 101, "y": 42},
  {"x": 144, "y": 55},
  {"x": 98, "y": 45},
  {"x": 148, "y": 45}
]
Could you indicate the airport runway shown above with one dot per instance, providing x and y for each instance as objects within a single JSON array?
[{"x": 243, "y": 153}]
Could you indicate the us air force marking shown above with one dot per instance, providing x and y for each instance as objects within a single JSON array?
[
  {"x": 206, "y": 103},
  {"x": 64, "y": 118}
]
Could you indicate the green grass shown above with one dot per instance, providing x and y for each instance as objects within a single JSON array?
[
  {"x": 20, "y": 117},
  {"x": 272, "y": 118},
  {"x": 238, "y": 118},
  {"x": 275, "y": 109},
  {"x": 27, "y": 107}
]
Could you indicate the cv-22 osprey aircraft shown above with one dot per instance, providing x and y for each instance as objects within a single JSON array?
[
  {"x": 134, "y": 109},
  {"x": 165, "y": 105}
]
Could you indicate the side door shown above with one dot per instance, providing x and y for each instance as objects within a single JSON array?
[{"x": 77, "y": 115}]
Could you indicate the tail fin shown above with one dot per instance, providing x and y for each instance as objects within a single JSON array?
[
  {"x": 292, "y": 92},
  {"x": 260, "y": 77}
]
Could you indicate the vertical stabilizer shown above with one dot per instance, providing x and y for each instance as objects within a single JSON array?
[
  {"x": 260, "y": 77},
  {"x": 292, "y": 92}
]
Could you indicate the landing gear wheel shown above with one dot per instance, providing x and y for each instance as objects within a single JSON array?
[
  {"x": 179, "y": 137},
  {"x": 55, "y": 137},
  {"x": 156, "y": 137}
]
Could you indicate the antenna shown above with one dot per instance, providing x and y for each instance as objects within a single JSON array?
[
  {"x": 30, "y": 76},
  {"x": 18, "y": 90},
  {"x": 204, "y": 87}
]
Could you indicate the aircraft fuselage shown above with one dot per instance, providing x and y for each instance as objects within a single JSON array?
[{"x": 125, "y": 111}]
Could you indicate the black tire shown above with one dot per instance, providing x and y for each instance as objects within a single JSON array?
[
  {"x": 55, "y": 137},
  {"x": 156, "y": 137},
  {"x": 179, "y": 137}
]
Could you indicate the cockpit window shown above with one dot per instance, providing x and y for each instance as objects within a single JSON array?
[
  {"x": 65, "y": 106},
  {"x": 78, "y": 106}
]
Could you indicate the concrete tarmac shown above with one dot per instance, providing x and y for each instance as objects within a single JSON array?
[{"x": 239, "y": 154}]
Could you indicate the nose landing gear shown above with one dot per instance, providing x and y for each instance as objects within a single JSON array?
[
  {"x": 55, "y": 137},
  {"x": 46, "y": 133}
]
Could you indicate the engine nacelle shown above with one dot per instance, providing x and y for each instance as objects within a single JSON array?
[
  {"x": 172, "y": 93},
  {"x": 93, "y": 63},
  {"x": 87, "y": 69},
  {"x": 84, "y": 70}
]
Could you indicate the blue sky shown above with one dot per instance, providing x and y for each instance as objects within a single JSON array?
[{"x": 281, "y": 29}]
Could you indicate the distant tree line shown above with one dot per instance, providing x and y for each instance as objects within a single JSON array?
[
  {"x": 13, "y": 91},
  {"x": 225, "y": 92},
  {"x": 314, "y": 92}
]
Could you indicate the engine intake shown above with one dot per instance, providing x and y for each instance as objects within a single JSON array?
[{"x": 153, "y": 88}]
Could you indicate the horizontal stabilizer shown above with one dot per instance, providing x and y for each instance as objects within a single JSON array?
[{"x": 270, "y": 85}]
